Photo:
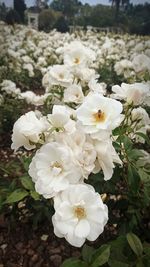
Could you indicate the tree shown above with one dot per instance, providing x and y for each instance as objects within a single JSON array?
[
  {"x": 47, "y": 19},
  {"x": 3, "y": 11},
  {"x": 41, "y": 4},
  {"x": 20, "y": 7},
  {"x": 61, "y": 25},
  {"x": 118, "y": 4},
  {"x": 12, "y": 17},
  {"x": 69, "y": 8}
]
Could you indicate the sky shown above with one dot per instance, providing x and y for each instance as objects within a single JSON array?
[{"x": 91, "y": 2}]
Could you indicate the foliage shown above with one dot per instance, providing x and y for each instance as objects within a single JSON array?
[
  {"x": 127, "y": 194},
  {"x": 17, "y": 193},
  {"x": 47, "y": 19},
  {"x": 61, "y": 24},
  {"x": 12, "y": 17},
  {"x": 20, "y": 7},
  {"x": 125, "y": 251},
  {"x": 10, "y": 110},
  {"x": 134, "y": 19},
  {"x": 3, "y": 11},
  {"x": 68, "y": 7}
]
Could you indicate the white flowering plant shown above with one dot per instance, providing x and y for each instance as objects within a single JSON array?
[{"x": 84, "y": 142}]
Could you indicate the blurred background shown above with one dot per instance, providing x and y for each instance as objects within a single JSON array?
[{"x": 131, "y": 16}]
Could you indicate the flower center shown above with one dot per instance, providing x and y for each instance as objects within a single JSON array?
[
  {"x": 99, "y": 116},
  {"x": 56, "y": 165},
  {"x": 79, "y": 212},
  {"x": 61, "y": 75},
  {"x": 76, "y": 60}
]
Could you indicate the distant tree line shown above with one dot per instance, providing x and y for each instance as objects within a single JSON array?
[{"x": 62, "y": 13}]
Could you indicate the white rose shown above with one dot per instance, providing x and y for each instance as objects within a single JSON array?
[
  {"x": 27, "y": 130},
  {"x": 106, "y": 156},
  {"x": 57, "y": 75},
  {"x": 99, "y": 114},
  {"x": 73, "y": 94},
  {"x": 53, "y": 168},
  {"x": 79, "y": 214},
  {"x": 136, "y": 93}
]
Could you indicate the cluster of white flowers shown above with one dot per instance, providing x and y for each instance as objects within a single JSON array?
[
  {"x": 75, "y": 138},
  {"x": 74, "y": 143},
  {"x": 137, "y": 94},
  {"x": 72, "y": 148},
  {"x": 30, "y": 97},
  {"x": 24, "y": 49}
]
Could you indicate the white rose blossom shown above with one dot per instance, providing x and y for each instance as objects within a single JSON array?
[
  {"x": 27, "y": 130},
  {"x": 53, "y": 169},
  {"x": 136, "y": 93},
  {"x": 77, "y": 54},
  {"x": 106, "y": 157},
  {"x": 99, "y": 115},
  {"x": 82, "y": 148},
  {"x": 79, "y": 214},
  {"x": 73, "y": 94},
  {"x": 57, "y": 75},
  {"x": 9, "y": 87},
  {"x": 140, "y": 122},
  {"x": 60, "y": 120}
]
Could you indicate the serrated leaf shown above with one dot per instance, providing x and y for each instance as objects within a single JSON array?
[
  {"x": 135, "y": 244},
  {"x": 135, "y": 154},
  {"x": 27, "y": 182},
  {"x": 114, "y": 263},
  {"x": 73, "y": 263},
  {"x": 144, "y": 136},
  {"x": 87, "y": 252},
  {"x": 140, "y": 264},
  {"x": 16, "y": 196},
  {"x": 101, "y": 256},
  {"x": 34, "y": 195},
  {"x": 133, "y": 178},
  {"x": 145, "y": 177},
  {"x": 146, "y": 249},
  {"x": 127, "y": 142}
]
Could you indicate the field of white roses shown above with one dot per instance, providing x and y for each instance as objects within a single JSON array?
[{"x": 74, "y": 108}]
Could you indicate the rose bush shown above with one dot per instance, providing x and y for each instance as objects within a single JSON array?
[{"x": 88, "y": 142}]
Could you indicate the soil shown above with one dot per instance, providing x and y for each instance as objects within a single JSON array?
[{"x": 23, "y": 246}]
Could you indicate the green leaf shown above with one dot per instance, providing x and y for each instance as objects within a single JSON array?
[
  {"x": 25, "y": 162},
  {"x": 16, "y": 196},
  {"x": 34, "y": 195},
  {"x": 101, "y": 256},
  {"x": 147, "y": 249},
  {"x": 135, "y": 244},
  {"x": 114, "y": 263},
  {"x": 133, "y": 178},
  {"x": 118, "y": 254},
  {"x": 140, "y": 264},
  {"x": 127, "y": 142},
  {"x": 73, "y": 263},
  {"x": 144, "y": 136},
  {"x": 87, "y": 252},
  {"x": 27, "y": 182},
  {"x": 135, "y": 154},
  {"x": 145, "y": 177}
]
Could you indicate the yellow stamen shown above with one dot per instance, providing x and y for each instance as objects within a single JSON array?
[
  {"x": 56, "y": 164},
  {"x": 80, "y": 212},
  {"x": 76, "y": 60},
  {"x": 61, "y": 76},
  {"x": 99, "y": 116}
]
